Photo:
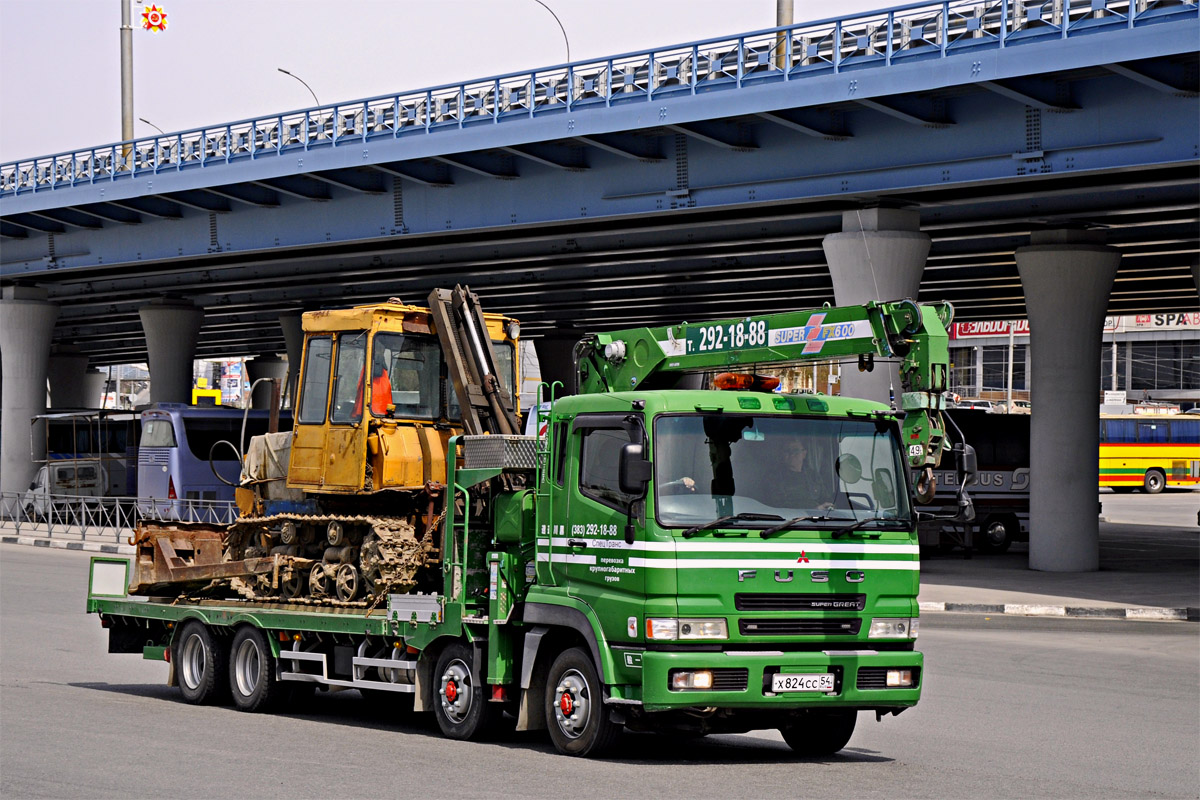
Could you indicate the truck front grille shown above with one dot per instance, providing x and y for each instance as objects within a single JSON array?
[
  {"x": 876, "y": 677},
  {"x": 799, "y": 627},
  {"x": 799, "y": 602},
  {"x": 730, "y": 679}
]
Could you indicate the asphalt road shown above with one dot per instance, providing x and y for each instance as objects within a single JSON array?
[{"x": 1012, "y": 708}]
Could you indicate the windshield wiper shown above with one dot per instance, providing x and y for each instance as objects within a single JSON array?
[
  {"x": 690, "y": 532},
  {"x": 783, "y": 526},
  {"x": 863, "y": 522}
]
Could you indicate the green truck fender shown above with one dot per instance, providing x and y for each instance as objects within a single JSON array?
[{"x": 573, "y": 617}]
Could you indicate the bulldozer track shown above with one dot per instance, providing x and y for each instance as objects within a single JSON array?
[{"x": 389, "y": 558}]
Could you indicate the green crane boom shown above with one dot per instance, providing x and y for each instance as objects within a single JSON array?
[{"x": 914, "y": 334}]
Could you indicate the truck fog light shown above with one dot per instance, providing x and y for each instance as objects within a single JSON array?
[
  {"x": 892, "y": 629},
  {"x": 682, "y": 679},
  {"x": 899, "y": 677}
]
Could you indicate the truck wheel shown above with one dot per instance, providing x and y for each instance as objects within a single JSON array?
[
  {"x": 820, "y": 733},
  {"x": 575, "y": 713},
  {"x": 252, "y": 671},
  {"x": 31, "y": 513},
  {"x": 996, "y": 534},
  {"x": 461, "y": 708},
  {"x": 200, "y": 660},
  {"x": 1154, "y": 481}
]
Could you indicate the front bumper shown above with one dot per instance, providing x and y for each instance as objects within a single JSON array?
[{"x": 853, "y": 671}]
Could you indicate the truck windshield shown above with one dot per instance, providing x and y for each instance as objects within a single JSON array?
[{"x": 837, "y": 470}]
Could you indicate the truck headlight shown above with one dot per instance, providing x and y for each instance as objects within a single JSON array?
[
  {"x": 686, "y": 629},
  {"x": 884, "y": 628}
]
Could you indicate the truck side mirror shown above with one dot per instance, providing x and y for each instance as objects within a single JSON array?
[
  {"x": 633, "y": 470},
  {"x": 968, "y": 464}
]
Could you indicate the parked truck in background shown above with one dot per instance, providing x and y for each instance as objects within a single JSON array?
[
  {"x": 574, "y": 582},
  {"x": 1000, "y": 493}
]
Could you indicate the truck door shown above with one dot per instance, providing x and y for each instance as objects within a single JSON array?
[{"x": 597, "y": 562}]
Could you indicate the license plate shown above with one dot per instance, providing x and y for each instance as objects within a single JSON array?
[{"x": 821, "y": 682}]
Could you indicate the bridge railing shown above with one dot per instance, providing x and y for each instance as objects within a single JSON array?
[
  {"x": 100, "y": 518},
  {"x": 869, "y": 39}
]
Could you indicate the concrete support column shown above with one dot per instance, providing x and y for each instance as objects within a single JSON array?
[
  {"x": 66, "y": 369},
  {"x": 93, "y": 388},
  {"x": 171, "y": 328},
  {"x": 293, "y": 338},
  {"x": 26, "y": 325},
  {"x": 1067, "y": 277},
  {"x": 265, "y": 366},
  {"x": 879, "y": 255}
]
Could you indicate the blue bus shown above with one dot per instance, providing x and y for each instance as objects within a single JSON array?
[{"x": 175, "y": 477}]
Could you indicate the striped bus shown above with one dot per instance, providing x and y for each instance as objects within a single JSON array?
[{"x": 1149, "y": 452}]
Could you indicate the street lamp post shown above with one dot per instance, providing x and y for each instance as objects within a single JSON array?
[
  {"x": 152, "y": 125},
  {"x": 306, "y": 86},
  {"x": 560, "y": 27}
]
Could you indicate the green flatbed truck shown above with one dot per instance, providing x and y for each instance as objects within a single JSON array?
[{"x": 661, "y": 558}]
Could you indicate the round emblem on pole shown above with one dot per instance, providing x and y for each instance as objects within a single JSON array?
[{"x": 154, "y": 19}]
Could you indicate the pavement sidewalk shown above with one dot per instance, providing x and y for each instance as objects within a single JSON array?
[{"x": 1147, "y": 572}]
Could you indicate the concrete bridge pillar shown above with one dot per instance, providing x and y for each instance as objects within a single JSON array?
[
  {"x": 66, "y": 369},
  {"x": 94, "y": 382},
  {"x": 293, "y": 338},
  {"x": 879, "y": 255},
  {"x": 171, "y": 328},
  {"x": 1067, "y": 277},
  {"x": 26, "y": 325},
  {"x": 265, "y": 366}
]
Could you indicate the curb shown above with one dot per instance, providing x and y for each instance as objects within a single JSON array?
[
  {"x": 1090, "y": 612},
  {"x": 61, "y": 544}
]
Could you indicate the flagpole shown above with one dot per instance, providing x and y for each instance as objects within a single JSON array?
[{"x": 126, "y": 76}]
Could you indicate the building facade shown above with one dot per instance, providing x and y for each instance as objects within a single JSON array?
[{"x": 1153, "y": 357}]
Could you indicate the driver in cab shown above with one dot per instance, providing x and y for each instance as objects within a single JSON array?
[
  {"x": 803, "y": 483},
  {"x": 381, "y": 387}
]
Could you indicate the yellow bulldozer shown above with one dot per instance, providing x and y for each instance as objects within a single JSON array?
[{"x": 346, "y": 506}]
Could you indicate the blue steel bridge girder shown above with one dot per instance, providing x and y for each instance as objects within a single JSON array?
[{"x": 1119, "y": 125}]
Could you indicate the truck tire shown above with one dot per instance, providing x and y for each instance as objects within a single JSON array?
[
  {"x": 996, "y": 533},
  {"x": 252, "y": 671},
  {"x": 200, "y": 664},
  {"x": 820, "y": 733},
  {"x": 461, "y": 704},
  {"x": 575, "y": 713},
  {"x": 1154, "y": 482}
]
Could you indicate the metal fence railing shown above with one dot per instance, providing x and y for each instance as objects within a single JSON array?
[
  {"x": 104, "y": 519},
  {"x": 867, "y": 39}
]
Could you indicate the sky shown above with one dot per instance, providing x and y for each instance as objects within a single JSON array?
[{"x": 217, "y": 61}]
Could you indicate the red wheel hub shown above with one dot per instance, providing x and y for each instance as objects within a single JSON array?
[
  {"x": 566, "y": 704},
  {"x": 451, "y": 691}
]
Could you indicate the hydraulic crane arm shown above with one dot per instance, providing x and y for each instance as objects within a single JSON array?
[
  {"x": 915, "y": 334},
  {"x": 487, "y": 407}
]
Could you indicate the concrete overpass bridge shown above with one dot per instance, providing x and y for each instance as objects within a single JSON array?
[{"x": 969, "y": 151}]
